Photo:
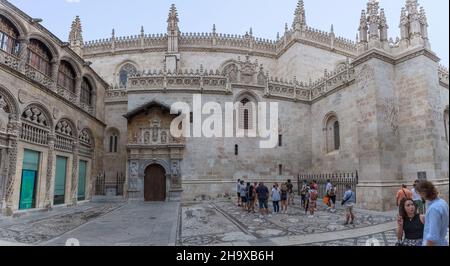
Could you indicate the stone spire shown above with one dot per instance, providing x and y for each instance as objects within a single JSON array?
[
  {"x": 363, "y": 27},
  {"x": 383, "y": 27},
  {"x": 173, "y": 31},
  {"x": 76, "y": 36},
  {"x": 413, "y": 25},
  {"x": 300, "y": 17},
  {"x": 172, "y": 27},
  {"x": 373, "y": 20}
]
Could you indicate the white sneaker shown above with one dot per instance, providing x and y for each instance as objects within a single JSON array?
[
  {"x": 329, "y": 208},
  {"x": 311, "y": 216},
  {"x": 270, "y": 215}
]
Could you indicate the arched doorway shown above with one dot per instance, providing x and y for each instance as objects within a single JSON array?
[{"x": 155, "y": 183}]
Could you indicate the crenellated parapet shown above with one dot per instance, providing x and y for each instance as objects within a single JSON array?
[
  {"x": 341, "y": 77},
  {"x": 175, "y": 41}
]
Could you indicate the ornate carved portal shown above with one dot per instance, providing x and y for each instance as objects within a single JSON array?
[{"x": 154, "y": 156}]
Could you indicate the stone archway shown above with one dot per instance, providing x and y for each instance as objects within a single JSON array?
[{"x": 155, "y": 183}]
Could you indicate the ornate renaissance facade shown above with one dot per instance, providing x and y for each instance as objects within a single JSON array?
[
  {"x": 375, "y": 106},
  {"x": 51, "y": 118}
]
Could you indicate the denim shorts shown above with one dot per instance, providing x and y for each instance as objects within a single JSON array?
[{"x": 263, "y": 204}]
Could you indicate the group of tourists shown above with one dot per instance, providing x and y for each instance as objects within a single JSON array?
[
  {"x": 258, "y": 194},
  {"x": 417, "y": 225}
]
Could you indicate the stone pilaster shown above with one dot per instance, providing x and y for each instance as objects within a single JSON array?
[
  {"x": 14, "y": 131},
  {"x": 75, "y": 162},
  {"x": 50, "y": 177}
]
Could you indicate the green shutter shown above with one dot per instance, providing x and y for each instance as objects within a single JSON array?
[
  {"x": 82, "y": 180},
  {"x": 60, "y": 180},
  {"x": 29, "y": 179}
]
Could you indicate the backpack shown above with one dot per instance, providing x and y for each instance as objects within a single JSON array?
[
  {"x": 304, "y": 190},
  {"x": 314, "y": 195},
  {"x": 332, "y": 192}
]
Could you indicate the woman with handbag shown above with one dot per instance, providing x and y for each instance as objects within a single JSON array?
[{"x": 410, "y": 224}]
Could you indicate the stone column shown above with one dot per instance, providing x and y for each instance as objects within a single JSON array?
[
  {"x": 23, "y": 53},
  {"x": 74, "y": 188},
  {"x": 54, "y": 77},
  {"x": 50, "y": 178},
  {"x": 14, "y": 131}
]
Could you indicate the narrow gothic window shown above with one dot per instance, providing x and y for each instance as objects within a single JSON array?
[
  {"x": 280, "y": 169},
  {"x": 191, "y": 117},
  {"x": 8, "y": 37},
  {"x": 337, "y": 142},
  {"x": 332, "y": 134},
  {"x": 39, "y": 57},
  {"x": 246, "y": 114},
  {"x": 236, "y": 150},
  {"x": 280, "y": 140},
  {"x": 113, "y": 143},
  {"x": 245, "y": 119}
]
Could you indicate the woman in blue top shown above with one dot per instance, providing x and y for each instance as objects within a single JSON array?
[{"x": 436, "y": 218}]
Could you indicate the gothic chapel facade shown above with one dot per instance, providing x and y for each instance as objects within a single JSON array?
[{"x": 71, "y": 112}]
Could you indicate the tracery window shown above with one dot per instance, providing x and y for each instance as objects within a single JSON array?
[
  {"x": 39, "y": 57},
  {"x": 246, "y": 114},
  {"x": 8, "y": 37},
  {"x": 113, "y": 141},
  {"x": 124, "y": 73},
  {"x": 66, "y": 76}
]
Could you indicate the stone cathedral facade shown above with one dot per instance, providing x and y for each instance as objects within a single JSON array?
[{"x": 376, "y": 105}]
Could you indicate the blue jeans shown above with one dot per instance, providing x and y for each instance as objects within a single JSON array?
[{"x": 276, "y": 206}]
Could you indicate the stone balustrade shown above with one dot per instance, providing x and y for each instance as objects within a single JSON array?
[
  {"x": 443, "y": 75},
  {"x": 14, "y": 63}
]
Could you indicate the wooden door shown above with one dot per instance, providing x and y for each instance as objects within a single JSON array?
[{"x": 155, "y": 183}]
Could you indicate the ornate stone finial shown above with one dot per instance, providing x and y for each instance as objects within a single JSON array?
[
  {"x": 113, "y": 34},
  {"x": 373, "y": 19},
  {"x": 142, "y": 30},
  {"x": 251, "y": 31},
  {"x": 286, "y": 29},
  {"x": 332, "y": 29},
  {"x": 278, "y": 36},
  {"x": 363, "y": 27},
  {"x": 76, "y": 36},
  {"x": 300, "y": 17},
  {"x": 383, "y": 26},
  {"x": 173, "y": 20},
  {"x": 214, "y": 29}
]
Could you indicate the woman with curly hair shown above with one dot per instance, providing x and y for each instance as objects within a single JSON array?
[{"x": 410, "y": 224}]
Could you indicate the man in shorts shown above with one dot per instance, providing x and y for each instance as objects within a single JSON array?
[
  {"x": 263, "y": 197},
  {"x": 349, "y": 201}
]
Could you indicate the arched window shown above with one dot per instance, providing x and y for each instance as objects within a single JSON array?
[
  {"x": 39, "y": 57},
  {"x": 113, "y": 141},
  {"x": 66, "y": 76},
  {"x": 337, "y": 142},
  {"x": 124, "y": 72},
  {"x": 446, "y": 121},
  {"x": 86, "y": 92},
  {"x": 332, "y": 134},
  {"x": 8, "y": 36},
  {"x": 246, "y": 114}
]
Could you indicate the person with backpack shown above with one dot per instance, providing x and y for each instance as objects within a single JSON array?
[
  {"x": 276, "y": 197},
  {"x": 250, "y": 198},
  {"x": 290, "y": 188},
  {"x": 284, "y": 197},
  {"x": 243, "y": 194},
  {"x": 331, "y": 193},
  {"x": 303, "y": 191},
  {"x": 349, "y": 201},
  {"x": 313, "y": 196}
]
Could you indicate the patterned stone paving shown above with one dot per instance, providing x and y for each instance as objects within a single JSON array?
[
  {"x": 221, "y": 222},
  {"x": 29, "y": 231}
]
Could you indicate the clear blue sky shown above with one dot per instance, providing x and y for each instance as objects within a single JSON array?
[{"x": 266, "y": 17}]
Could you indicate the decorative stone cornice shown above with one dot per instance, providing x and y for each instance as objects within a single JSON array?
[{"x": 443, "y": 76}]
